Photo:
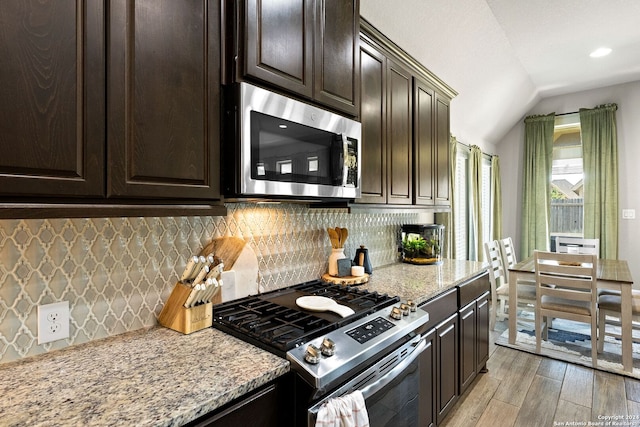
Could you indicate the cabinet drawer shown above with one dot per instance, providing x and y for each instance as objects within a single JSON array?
[
  {"x": 473, "y": 289},
  {"x": 441, "y": 307}
]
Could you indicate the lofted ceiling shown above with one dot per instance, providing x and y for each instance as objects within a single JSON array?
[{"x": 503, "y": 56}]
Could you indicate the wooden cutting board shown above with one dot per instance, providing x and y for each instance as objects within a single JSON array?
[{"x": 238, "y": 256}]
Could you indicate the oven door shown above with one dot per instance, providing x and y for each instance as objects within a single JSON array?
[
  {"x": 391, "y": 388},
  {"x": 293, "y": 149}
]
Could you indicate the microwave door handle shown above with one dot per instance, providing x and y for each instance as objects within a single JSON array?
[{"x": 345, "y": 159}]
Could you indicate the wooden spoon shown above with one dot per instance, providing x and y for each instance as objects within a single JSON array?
[{"x": 343, "y": 239}]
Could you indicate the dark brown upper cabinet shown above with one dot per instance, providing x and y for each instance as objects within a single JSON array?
[
  {"x": 431, "y": 146},
  {"x": 109, "y": 110},
  {"x": 404, "y": 110},
  {"x": 163, "y": 99},
  {"x": 399, "y": 134},
  {"x": 424, "y": 165},
  {"x": 386, "y": 116},
  {"x": 373, "y": 113},
  {"x": 305, "y": 47},
  {"x": 52, "y": 122},
  {"x": 442, "y": 156}
]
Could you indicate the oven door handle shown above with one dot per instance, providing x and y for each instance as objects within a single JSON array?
[{"x": 373, "y": 388}]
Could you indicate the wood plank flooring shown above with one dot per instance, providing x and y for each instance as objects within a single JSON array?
[{"x": 522, "y": 389}]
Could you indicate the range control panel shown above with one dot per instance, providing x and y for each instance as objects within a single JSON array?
[{"x": 370, "y": 330}]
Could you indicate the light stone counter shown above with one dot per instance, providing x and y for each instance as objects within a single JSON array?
[
  {"x": 420, "y": 283},
  {"x": 159, "y": 377},
  {"x": 150, "y": 377}
]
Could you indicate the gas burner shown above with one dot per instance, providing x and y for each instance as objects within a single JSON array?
[{"x": 275, "y": 323}]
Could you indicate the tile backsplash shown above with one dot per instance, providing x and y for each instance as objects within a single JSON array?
[{"x": 116, "y": 273}]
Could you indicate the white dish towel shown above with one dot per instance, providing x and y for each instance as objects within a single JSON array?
[{"x": 345, "y": 411}]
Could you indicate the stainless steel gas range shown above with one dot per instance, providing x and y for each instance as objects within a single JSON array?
[{"x": 375, "y": 350}]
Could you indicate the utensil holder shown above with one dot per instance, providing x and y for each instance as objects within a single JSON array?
[
  {"x": 336, "y": 254},
  {"x": 176, "y": 316}
]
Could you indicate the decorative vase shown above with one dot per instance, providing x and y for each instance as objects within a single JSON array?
[{"x": 336, "y": 254}]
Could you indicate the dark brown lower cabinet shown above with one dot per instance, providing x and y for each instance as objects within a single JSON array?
[
  {"x": 457, "y": 346},
  {"x": 265, "y": 407},
  {"x": 474, "y": 329},
  {"x": 428, "y": 381},
  {"x": 447, "y": 361}
]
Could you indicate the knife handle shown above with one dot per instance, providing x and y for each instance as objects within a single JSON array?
[
  {"x": 192, "y": 295},
  {"x": 188, "y": 270},
  {"x": 202, "y": 274}
]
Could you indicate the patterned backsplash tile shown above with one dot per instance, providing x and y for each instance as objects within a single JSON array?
[{"x": 116, "y": 273}]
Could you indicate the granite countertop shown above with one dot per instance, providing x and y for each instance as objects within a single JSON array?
[
  {"x": 159, "y": 377},
  {"x": 420, "y": 283},
  {"x": 150, "y": 377}
]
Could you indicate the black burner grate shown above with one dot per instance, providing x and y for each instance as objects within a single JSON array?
[{"x": 274, "y": 322}]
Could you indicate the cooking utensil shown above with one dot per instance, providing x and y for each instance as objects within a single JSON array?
[{"x": 318, "y": 303}]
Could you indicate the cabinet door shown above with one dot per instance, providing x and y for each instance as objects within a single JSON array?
[
  {"x": 262, "y": 408},
  {"x": 424, "y": 147},
  {"x": 482, "y": 339},
  {"x": 399, "y": 134},
  {"x": 52, "y": 122},
  {"x": 164, "y": 97},
  {"x": 428, "y": 381},
  {"x": 279, "y": 43},
  {"x": 337, "y": 55},
  {"x": 373, "y": 111},
  {"x": 442, "y": 196},
  {"x": 468, "y": 352},
  {"x": 446, "y": 366}
]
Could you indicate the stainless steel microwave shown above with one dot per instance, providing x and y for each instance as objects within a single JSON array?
[{"x": 284, "y": 148}]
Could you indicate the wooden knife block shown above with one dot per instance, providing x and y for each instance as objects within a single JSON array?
[{"x": 175, "y": 316}]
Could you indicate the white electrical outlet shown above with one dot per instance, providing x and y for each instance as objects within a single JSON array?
[{"x": 53, "y": 322}]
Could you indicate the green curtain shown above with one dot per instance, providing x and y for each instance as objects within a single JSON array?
[
  {"x": 600, "y": 165},
  {"x": 536, "y": 183},
  {"x": 447, "y": 218},
  {"x": 496, "y": 199},
  {"x": 476, "y": 241}
]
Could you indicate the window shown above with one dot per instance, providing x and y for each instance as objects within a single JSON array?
[
  {"x": 566, "y": 216},
  {"x": 464, "y": 242},
  {"x": 461, "y": 203},
  {"x": 486, "y": 199}
]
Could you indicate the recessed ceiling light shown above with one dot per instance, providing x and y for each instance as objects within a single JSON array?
[
  {"x": 600, "y": 52},
  {"x": 282, "y": 126}
]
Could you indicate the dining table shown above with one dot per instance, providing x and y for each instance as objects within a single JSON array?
[{"x": 612, "y": 274}]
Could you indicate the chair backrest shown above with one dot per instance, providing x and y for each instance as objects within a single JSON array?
[
  {"x": 569, "y": 276},
  {"x": 509, "y": 258},
  {"x": 497, "y": 274},
  {"x": 577, "y": 245},
  {"x": 508, "y": 252}
]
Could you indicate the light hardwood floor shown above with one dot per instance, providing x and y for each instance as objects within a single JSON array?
[{"x": 522, "y": 389}]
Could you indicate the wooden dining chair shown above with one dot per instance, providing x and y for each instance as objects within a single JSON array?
[
  {"x": 500, "y": 287},
  {"x": 509, "y": 259},
  {"x": 577, "y": 245},
  {"x": 609, "y": 313},
  {"x": 566, "y": 289}
]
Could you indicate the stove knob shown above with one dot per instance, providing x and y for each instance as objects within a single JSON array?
[
  {"x": 312, "y": 355},
  {"x": 405, "y": 309},
  {"x": 396, "y": 313},
  {"x": 412, "y": 305},
  {"x": 328, "y": 347}
]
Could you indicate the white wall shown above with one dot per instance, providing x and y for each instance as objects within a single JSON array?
[{"x": 510, "y": 149}]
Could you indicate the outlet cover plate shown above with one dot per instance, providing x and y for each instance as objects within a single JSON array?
[{"x": 53, "y": 322}]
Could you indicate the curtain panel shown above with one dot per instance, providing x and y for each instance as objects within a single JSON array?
[
  {"x": 536, "y": 179},
  {"x": 476, "y": 240},
  {"x": 496, "y": 199},
  {"x": 600, "y": 160}
]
